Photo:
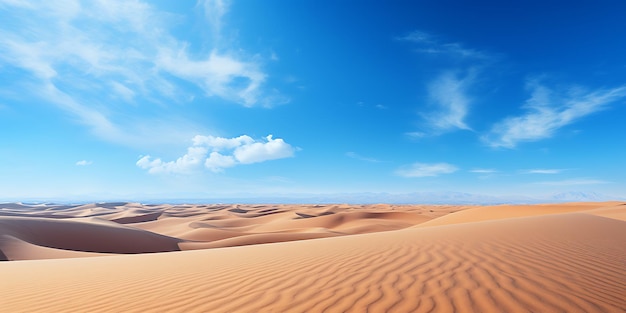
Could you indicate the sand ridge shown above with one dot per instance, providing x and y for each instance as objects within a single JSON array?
[
  {"x": 29, "y": 232},
  {"x": 565, "y": 260}
]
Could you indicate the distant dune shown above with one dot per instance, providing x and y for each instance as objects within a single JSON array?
[
  {"x": 44, "y": 232},
  {"x": 253, "y": 258}
]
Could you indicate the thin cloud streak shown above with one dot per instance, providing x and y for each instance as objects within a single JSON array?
[
  {"x": 125, "y": 47},
  {"x": 542, "y": 171},
  {"x": 214, "y": 11},
  {"x": 573, "y": 182},
  {"x": 426, "y": 170},
  {"x": 483, "y": 171},
  {"x": 433, "y": 45},
  {"x": 359, "y": 157},
  {"x": 547, "y": 111}
]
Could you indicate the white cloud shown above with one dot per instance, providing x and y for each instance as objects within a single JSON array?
[
  {"x": 124, "y": 92},
  {"x": 449, "y": 94},
  {"x": 547, "y": 111},
  {"x": 217, "y": 162},
  {"x": 419, "y": 36},
  {"x": 361, "y": 158},
  {"x": 573, "y": 182},
  {"x": 86, "y": 57},
  {"x": 274, "y": 57},
  {"x": 214, "y": 10},
  {"x": 263, "y": 151},
  {"x": 220, "y": 143},
  {"x": 185, "y": 164},
  {"x": 416, "y": 135},
  {"x": 16, "y": 3},
  {"x": 542, "y": 171},
  {"x": 99, "y": 123},
  {"x": 483, "y": 171},
  {"x": 426, "y": 170},
  {"x": 433, "y": 45},
  {"x": 218, "y": 153},
  {"x": 83, "y": 163},
  {"x": 220, "y": 74}
]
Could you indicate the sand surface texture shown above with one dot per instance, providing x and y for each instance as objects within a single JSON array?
[{"x": 381, "y": 258}]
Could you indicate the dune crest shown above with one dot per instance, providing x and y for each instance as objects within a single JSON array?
[
  {"x": 564, "y": 258},
  {"x": 119, "y": 228}
]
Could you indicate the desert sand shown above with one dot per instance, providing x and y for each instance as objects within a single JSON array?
[{"x": 126, "y": 257}]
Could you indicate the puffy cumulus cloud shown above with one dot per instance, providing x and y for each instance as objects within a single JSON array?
[
  {"x": 218, "y": 153},
  {"x": 426, "y": 169},
  {"x": 216, "y": 162},
  {"x": 185, "y": 164},
  {"x": 220, "y": 143},
  {"x": 263, "y": 151}
]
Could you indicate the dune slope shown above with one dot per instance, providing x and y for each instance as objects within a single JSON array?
[
  {"x": 84, "y": 235},
  {"x": 30, "y": 232},
  {"x": 568, "y": 262}
]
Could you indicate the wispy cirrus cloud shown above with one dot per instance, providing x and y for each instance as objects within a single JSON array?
[
  {"x": 448, "y": 94},
  {"x": 425, "y": 169},
  {"x": 542, "y": 171},
  {"x": 218, "y": 74},
  {"x": 573, "y": 182},
  {"x": 435, "y": 45},
  {"x": 92, "y": 58},
  {"x": 416, "y": 134},
  {"x": 483, "y": 171},
  {"x": 547, "y": 111},
  {"x": 214, "y": 11},
  {"x": 359, "y": 157},
  {"x": 219, "y": 153}
]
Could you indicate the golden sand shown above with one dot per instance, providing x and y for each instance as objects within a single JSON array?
[{"x": 382, "y": 258}]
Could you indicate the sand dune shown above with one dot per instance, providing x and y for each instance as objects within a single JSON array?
[
  {"x": 485, "y": 213},
  {"x": 85, "y": 235},
  {"x": 17, "y": 249},
  {"x": 563, "y": 258},
  {"x": 137, "y": 228},
  {"x": 616, "y": 211}
]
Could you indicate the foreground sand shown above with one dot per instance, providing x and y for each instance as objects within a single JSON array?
[{"x": 548, "y": 258}]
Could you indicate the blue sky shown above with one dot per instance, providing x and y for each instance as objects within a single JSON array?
[{"x": 182, "y": 99}]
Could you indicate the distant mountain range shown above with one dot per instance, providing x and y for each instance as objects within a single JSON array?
[
  {"x": 405, "y": 198},
  {"x": 366, "y": 198}
]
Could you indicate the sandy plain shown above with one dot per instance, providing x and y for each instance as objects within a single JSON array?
[{"x": 128, "y": 257}]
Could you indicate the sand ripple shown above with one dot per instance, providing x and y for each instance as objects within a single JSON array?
[{"x": 565, "y": 262}]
